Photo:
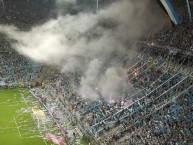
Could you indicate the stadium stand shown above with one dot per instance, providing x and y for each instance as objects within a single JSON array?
[
  {"x": 158, "y": 111},
  {"x": 15, "y": 69}
]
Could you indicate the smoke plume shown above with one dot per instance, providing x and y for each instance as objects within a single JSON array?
[{"x": 89, "y": 42}]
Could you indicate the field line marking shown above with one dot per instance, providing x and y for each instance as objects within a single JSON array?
[
  {"x": 44, "y": 141},
  {"x": 4, "y": 128},
  {"x": 33, "y": 118},
  {"x": 17, "y": 127}
]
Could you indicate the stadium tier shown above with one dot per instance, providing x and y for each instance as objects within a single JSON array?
[
  {"x": 154, "y": 105},
  {"x": 16, "y": 70},
  {"x": 157, "y": 111}
]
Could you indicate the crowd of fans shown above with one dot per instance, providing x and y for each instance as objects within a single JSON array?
[
  {"x": 159, "y": 111},
  {"x": 15, "y": 69},
  {"x": 179, "y": 36}
]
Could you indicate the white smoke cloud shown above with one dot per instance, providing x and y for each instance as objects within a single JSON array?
[
  {"x": 112, "y": 85},
  {"x": 86, "y": 42},
  {"x": 88, "y": 86}
]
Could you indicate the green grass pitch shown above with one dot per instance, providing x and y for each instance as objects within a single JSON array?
[{"x": 17, "y": 126}]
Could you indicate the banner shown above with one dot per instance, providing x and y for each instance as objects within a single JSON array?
[
  {"x": 39, "y": 113},
  {"x": 168, "y": 65},
  {"x": 55, "y": 139}
]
